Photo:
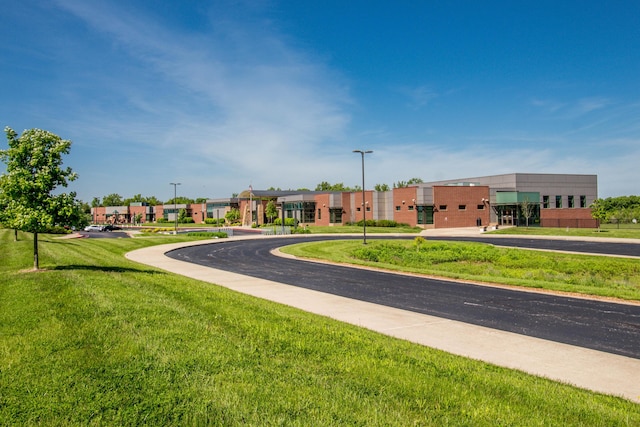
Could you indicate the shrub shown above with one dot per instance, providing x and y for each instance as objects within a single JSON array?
[
  {"x": 218, "y": 234},
  {"x": 292, "y": 222},
  {"x": 57, "y": 229},
  {"x": 215, "y": 221}
]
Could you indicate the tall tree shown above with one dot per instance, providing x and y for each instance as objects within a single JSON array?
[
  {"x": 34, "y": 171},
  {"x": 112, "y": 199},
  {"x": 153, "y": 201},
  {"x": 326, "y": 186},
  {"x": 599, "y": 211},
  {"x": 271, "y": 210},
  {"x": 180, "y": 200}
]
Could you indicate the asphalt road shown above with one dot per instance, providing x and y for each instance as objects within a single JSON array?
[{"x": 598, "y": 325}]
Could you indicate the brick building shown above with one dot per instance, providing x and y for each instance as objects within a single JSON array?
[{"x": 547, "y": 200}]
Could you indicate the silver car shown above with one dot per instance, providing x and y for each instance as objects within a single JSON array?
[{"x": 94, "y": 228}]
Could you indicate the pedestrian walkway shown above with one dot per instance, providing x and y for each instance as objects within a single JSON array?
[{"x": 594, "y": 370}]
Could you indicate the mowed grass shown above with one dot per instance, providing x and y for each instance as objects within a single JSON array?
[
  {"x": 583, "y": 274},
  {"x": 95, "y": 339},
  {"x": 624, "y": 231},
  {"x": 357, "y": 229}
]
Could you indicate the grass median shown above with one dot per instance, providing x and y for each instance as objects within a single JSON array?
[
  {"x": 94, "y": 339},
  {"x": 582, "y": 274}
]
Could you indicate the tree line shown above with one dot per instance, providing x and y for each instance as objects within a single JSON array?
[{"x": 621, "y": 209}]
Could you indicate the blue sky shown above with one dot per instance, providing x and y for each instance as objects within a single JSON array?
[{"x": 218, "y": 95}]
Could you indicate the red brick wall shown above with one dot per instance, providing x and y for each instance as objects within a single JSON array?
[
  {"x": 159, "y": 212},
  {"x": 404, "y": 198},
  {"x": 567, "y": 217},
  {"x": 198, "y": 212},
  {"x": 99, "y": 215},
  {"x": 454, "y": 196},
  {"x": 135, "y": 210},
  {"x": 358, "y": 215},
  {"x": 322, "y": 209}
]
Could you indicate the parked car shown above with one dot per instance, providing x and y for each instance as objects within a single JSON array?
[
  {"x": 94, "y": 228},
  {"x": 110, "y": 227}
]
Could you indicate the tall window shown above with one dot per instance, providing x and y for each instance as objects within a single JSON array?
[
  {"x": 570, "y": 202},
  {"x": 545, "y": 202},
  {"x": 558, "y": 202},
  {"x": 335, "y": 215},
  {"x": 583, "y": 201}
]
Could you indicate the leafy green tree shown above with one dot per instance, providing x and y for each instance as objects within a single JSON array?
[
  {"x": 96, "y": 202},
  {"x": 233, "y": 215},
  {"x": 139, "y": 198},
  {"x": 153, "y": 201},
  {"x": 180, "y": 200},
  {"x": 599, "y": 211},
  {"x": 403, "y": 184},
  {"x": 325, "y": 186},
  {"x": 271, "y": 210},
  {"x": 182, "y": 216},
  {"x": 112, "y": 200},
  {"x": 34, "y": 171},
  {"x": 381, "y": 187}
]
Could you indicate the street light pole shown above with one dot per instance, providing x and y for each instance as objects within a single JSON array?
[
  {"x": 175, "y": 204},
  {"x": 364, "y": 205}
]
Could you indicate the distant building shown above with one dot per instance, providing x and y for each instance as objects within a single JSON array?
[{"x": 547, "y": 200}]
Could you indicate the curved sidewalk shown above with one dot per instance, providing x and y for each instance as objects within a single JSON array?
[{"x": 589, "y": 369}]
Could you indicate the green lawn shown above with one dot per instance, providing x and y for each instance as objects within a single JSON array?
[
  {"x": 625, "y": 231},
  {"x": 94, "y": 339}
]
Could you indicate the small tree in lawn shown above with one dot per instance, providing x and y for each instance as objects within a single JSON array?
[
  {"x": 34, "y": 170},
  {"x": 599, "y": 211},
  {"x": 527, "y": 209},
  {"x": 271, "y": 210}
]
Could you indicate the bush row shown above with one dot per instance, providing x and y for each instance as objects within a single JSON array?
[
  {"x": 379, "y": 223},
  {"x": 211, "y": 234}
]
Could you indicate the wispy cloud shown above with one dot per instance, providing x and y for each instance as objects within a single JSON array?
[
  {"x": 419, "y": 96},
  {"x": 572, "y": 109},
  {"x": 587, "y": 105},
  {"x": 232, "y": 100},
  {"x": 234, "y": 90}
]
